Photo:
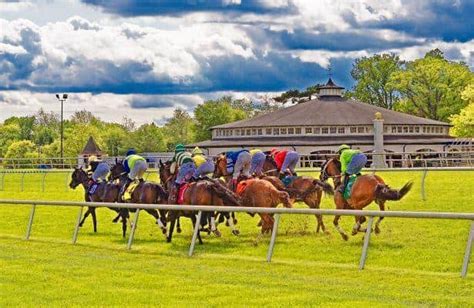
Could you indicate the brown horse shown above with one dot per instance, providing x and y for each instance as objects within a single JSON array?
[
  {"x": 144, "y": 193},
  {"x": 105, "y": 192},
  {"x": 203, "y": 192},
  {"x": 366, "y": 189},
  {"x": 301, "y": 188},
  {"x": 262, "y": 193}
]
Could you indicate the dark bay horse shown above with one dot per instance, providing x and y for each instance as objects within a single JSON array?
[
  {"x": 145, "y": 193},
  {"x": 366, "y": 189},
  {"x": 105, "y": 192},
  {"x": 202, "y": 192},
  {"x": 301, "y": 188}
]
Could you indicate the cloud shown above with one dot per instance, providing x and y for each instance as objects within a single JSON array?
[{"x": 187, "y": 102}]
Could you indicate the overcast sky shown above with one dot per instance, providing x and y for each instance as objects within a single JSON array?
[{"x": 143, "y": 58}]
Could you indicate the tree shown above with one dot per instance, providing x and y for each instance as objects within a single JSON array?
[
  {"x": 76, "y": 136},
  {"x": 85, "y": 117},
  {"x": 115, "y": 139},
  {"x": 9, "y": 133},
  {"x": 372, "y": 76},
  {"x": 149, "y": 138},
  {"x": 463, "y": 123},
  {"x": 431, "y": 87},
  {"x": 215, "y": 112},
  {"x": 179, "y": 129},
  {"x": 26, "y": 125}
]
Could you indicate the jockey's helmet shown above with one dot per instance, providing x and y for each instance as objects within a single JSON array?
[
  {"x": 92, "y": 158},
  {"x": 197, "y": 151},
  {"x": 179, "y": 148},
  {"x": 131, "y": 152},
  {"x": 273, "y": 151},
  {"x": 342, "y": 148}
]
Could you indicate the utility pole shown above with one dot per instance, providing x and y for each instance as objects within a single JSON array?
[{"x": 62, "y": 99}]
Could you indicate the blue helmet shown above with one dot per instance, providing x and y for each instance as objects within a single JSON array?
[{"x": 131, "y": 152}]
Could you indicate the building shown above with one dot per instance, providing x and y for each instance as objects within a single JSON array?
[
  {"x": 91, "y": 148},
  {"x": 320, "y": 125}
]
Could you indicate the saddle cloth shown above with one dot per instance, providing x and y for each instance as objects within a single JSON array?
[
  {"x": 287, "y": 180},
  {"x": 348, "y": 189},
  {"x": 241, "y": 187},
  {"x": 127, "y": 195},
  {"x": 181, "y": 191}
]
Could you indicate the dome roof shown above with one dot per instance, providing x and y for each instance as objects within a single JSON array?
[{"x": 330, "y": 110}]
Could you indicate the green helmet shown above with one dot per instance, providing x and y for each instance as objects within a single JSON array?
[
  {"x": 179, "y": 148},
  {"x": 197, "y": 151},
  {"x": 342, "y": 148}
]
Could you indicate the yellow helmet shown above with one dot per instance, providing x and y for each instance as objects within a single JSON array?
[
  {"x": 197, "y": 151},
  {"x": 92, "y": 158},
  {"x": 342, "y": 148}
]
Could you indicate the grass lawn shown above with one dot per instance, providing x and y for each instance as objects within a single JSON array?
[{"x": 412, "y": 262}]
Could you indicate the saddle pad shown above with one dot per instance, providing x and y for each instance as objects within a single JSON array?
[
  {"x": 130, "y": 189},
  {"x": 181, "y": 192},
  {"x": 93, "y": 187},
  {"x": 348, "y": 190},
  {"x": 287, "y": 180},
  {"x": 241, "y": 187}
]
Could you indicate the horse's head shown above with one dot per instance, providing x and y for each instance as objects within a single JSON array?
[
  {"x": 78, "y": 177},
  {"x": 331, "y": 168},
  {"x": 220, "y": 166},
  {"x": 270, "y": 167},
  {"x": 116, "y": 171},
  {"x": 165, "y": 172}
]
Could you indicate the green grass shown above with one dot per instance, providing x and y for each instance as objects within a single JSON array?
[{"x": 412, "y": 262}]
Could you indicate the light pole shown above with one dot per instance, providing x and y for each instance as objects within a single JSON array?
[{"x": 62, "y": 99}]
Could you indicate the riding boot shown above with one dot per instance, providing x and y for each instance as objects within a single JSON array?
[
  {"x": 295, "y": 174},
  {"x": 141, "y": 180},
  {"x": 282, "y": 175},
  {"x": 344, "y": 183},
  {"x": 124, "y": 188}
]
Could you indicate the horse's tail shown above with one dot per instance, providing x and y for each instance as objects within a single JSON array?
[
  {"x": 384, "y": 192},
  {"x": 228, "y": 196},
  {"x": 326, "y": 187}
]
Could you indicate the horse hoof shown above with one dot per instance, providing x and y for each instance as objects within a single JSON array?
[
  {"x": 235, "y": 232},
  {"x": 326, "y": 232},
  {"x": 354, "y": 232},
  {"x": 164, "y": 230},
  {"x": 235, "y": 221},
  {"x": 217, "y": 233},
  {"x": 178, "y": 230},
  {"x": 345, "y": 237},
  {"x": 168, "y": 240},
  {"x": 377, "y": 231}
]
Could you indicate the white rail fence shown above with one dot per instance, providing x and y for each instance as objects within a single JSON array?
[
  {"x": 67, "y": 175},
  {"x": 276, "y": 211}
]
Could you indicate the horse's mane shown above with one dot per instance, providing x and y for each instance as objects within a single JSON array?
[{"x": 271, "y": 160}]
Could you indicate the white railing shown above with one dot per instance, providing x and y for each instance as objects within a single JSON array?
[{"x": 276, "y": 211}]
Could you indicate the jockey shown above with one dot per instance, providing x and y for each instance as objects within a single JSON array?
[
  {"x": 286, "y": 161},
  {"x": 238, "y": 163},
  {"x": 97, "y": 171},
  {"x": 183, "y": 163},
  {"x": 352, "y": 162},
  {"x": 135, "y": 167},
  {"x": 258, "y": 160},
  {"x": 203, "y": 164}
]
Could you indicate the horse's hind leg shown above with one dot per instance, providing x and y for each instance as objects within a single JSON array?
[
  {"x": 172, "y": 223},
  {"x": 379, "y": 220},
  {"x": 314, "y": 204},
  {"x": 94, "y": 219},
  {"x": 178, "y": 227},
  {"x": 341, "y": 231},
  {"x": 86, "y": 214},
  {"x": 193, "y": 219},
  {"x": 124, "y": 215},
  {"x": 116, "y": 219}
]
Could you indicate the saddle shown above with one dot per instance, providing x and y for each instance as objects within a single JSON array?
[
  {"x": 348, "y": 189},
  {"x": 127, "y": 195},
  {"x": 92, "y": 187},
  {"x": 181, "y": 191}
]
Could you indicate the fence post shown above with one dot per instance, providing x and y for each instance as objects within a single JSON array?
[
  {"x": 467, "y": 253},
  {"x": 22, "y": 183},
  {"x": 30, "y": 222},
  {"x": 42, "y": 182},
  {"x": 363, "y": 257},
  {"x": 132, "y": 232},
  {"x": 3, "y": 181},
  {"x": 195, "y": 233},
  {"x": 66, "y": 180},
  {"x": 76, "y": 229},
  {"x": 423, "y": 177},
  {"x": 272, "y": 240}
]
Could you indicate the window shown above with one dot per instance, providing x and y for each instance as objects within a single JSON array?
[
  {"x": 283, "y": 131},
  {"x": 417, "y": 129},
  {"x": 248, "y": 131},
  {"x": 410, "y": 129},
  {"x": 254, "y": 131},
  {"x": 353, "y": 129},
  {"x": 385, "y": 129},
  {"x": 276, "y": 131},
  {"x": 291, "y": 131},
  {"x": 424, "y": 129},
  {"x": 259, "y": 131},
  {"x": 394, "y": 129},
  {"x": 360, "y": 129},
  {"x": 325, "y": 130},
  {"x": 333, "y": 130},
  {"x": 399, "y": 129},
  {"x": 368, "y": 129},
  {"x": 316, "y": 130},
  {"x": 308, "y": 130},
  {"x": 405, "y": 129},
  {"x": 298, "y": 131},
  {"x": 237, "y": 132},
  {"x": 268, "y": 131},
  {"x": 341, "y": 130}
]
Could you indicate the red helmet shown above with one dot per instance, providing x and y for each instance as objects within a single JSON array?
[{"x": 273, "y": 151}]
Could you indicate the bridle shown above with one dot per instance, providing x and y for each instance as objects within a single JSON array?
[{"x": 324, "y": 173}]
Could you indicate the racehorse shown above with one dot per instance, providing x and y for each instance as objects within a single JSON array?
[
  {"x": 145, "y": 193},
  {"x": 300, "y": 188},
  {"x": 202, "y": 192},
  {"x": 105, "y": 192},
  {"x": 366, "y": 189},
  {"x": 261, "y": 193}
]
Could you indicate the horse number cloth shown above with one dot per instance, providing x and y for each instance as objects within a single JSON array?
[
  {"x": 181, "y": 191},
  {"x": 127, "y": 195}
]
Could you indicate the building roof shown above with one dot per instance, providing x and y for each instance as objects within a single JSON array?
[
  {"x": 91, "y": 148},
  {"x": 331, "y": 110},
  {"x": 330, "y": 85},
  {"x": 319, "y": 141}
]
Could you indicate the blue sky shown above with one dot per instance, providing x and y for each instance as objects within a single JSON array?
[{"x": 142, "y": 59}]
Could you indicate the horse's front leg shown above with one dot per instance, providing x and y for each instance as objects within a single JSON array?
[
  {"x": 230, "y": 222},
  {"x": 124, "y": 215},
  {"x": 94, "y": 219},
  {"x": 212, "y": 222},
  {"x": 172, "y": 220},
  {"x": 379, "y": 220},
  {"x": 86, "y": 214}
]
